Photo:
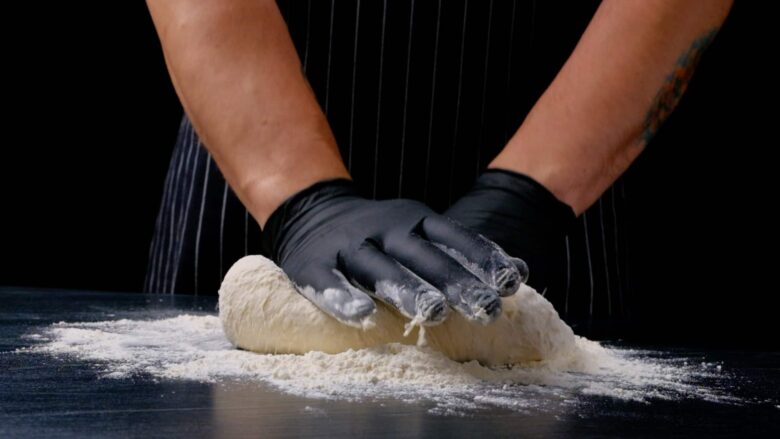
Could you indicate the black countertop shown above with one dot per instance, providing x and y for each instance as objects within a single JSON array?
[{"x": 47, "y": 396}]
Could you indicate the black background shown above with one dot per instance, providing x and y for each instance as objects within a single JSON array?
[{"x": 91, "y": 117}]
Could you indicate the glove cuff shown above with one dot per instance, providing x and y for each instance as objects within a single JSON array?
[
  {"x": 531, "y": 191},
  {"x": 291, "y": 209}
]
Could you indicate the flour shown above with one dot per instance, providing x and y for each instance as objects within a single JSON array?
[
  {"x": 525, "y": 360},
  {"x": 194, "y": 347}
]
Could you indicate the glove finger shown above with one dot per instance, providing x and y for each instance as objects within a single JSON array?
[
  {"x": 464, "y": 291},
  {"x": 328, "y": 289},
  {"x": 478, "y": 254},
  {"x": 522, "y": 268},
  {"x": 387, "y": 280}
]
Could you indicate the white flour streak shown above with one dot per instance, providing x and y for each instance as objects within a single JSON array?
[{"x": 191, "y": 347}]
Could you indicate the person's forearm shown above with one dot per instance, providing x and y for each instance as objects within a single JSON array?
[
  {"x": 625, "y": 76},
  {"x": 239, "y": 79}
]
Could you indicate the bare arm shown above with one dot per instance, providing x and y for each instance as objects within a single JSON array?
[
  {"x": 239, "y": 79},
  {"x": 626, "y": 75}
]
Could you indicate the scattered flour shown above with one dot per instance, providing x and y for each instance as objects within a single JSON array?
[
  {"x": 301, "y": 351},
  {"x": 191, "y": 347}
]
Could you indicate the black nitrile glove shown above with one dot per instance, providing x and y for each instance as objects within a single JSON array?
[
  {"x": 337, "y": 246},
  {"x": 522, "y": 217}
]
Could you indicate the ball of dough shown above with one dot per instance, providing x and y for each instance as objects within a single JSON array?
[{"x": 261, "y": 311}]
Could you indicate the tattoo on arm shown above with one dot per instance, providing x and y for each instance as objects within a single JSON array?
[{"x": 674, "y": 85}]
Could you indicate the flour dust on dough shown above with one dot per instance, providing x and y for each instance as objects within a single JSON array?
[{"x": 261, "y": 311}]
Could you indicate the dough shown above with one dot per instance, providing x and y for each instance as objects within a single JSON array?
[{"x": 261, "y": 311}]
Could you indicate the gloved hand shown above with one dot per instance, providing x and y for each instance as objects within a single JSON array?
[
  {"x": 522, "y": 217},
  {"x": 339, "y": 248}
]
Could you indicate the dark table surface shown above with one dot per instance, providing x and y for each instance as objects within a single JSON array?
[{"x": 45, "y": 396}]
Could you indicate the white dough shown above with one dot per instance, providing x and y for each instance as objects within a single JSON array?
[{"x": 261, "y": 311}]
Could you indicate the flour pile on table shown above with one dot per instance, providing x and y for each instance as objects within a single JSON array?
[
  {"x": 552, "y": 367},
  {"x": 194, "y": 347}
]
